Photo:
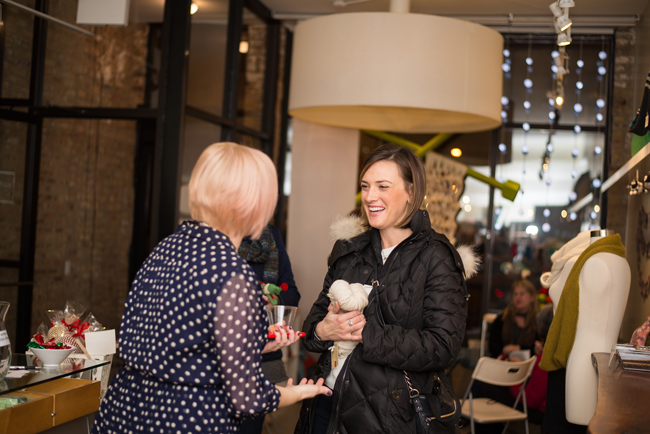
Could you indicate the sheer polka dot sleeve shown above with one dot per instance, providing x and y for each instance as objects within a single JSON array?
[{"x": 240, "y": 335}]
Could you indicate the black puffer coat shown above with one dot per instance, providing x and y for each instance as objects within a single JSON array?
[{"x": 422, "y": 295}]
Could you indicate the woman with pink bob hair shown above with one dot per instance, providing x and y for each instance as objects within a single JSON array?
[{"x": 194, "y": 329}]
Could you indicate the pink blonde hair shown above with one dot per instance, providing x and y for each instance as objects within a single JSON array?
[{"x": 233, "y": 188}]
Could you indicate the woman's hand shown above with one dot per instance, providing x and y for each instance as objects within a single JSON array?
[
  {"x": 304, "y": 390},
  {"x": 283, "y": 336},
  {"x": 341, "y": 326}
]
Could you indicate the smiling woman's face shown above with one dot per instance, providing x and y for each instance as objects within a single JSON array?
[{"x": 383, "y": 195}]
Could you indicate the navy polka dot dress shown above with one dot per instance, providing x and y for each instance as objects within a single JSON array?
[{"x": 191, "y": 340}]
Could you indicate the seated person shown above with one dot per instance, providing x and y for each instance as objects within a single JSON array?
[
  {"x": 535, "y": 388},
  {"x": 516, "y": 327}
]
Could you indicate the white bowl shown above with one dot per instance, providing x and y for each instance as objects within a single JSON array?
[{"x": 51, "y": 357}]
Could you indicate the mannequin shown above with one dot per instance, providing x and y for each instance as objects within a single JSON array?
[{"x": 604, "y": 285}]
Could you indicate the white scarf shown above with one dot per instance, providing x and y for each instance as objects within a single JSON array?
[{"x": 572, "y": 249}]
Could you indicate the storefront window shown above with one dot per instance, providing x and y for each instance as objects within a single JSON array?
[
  {"x": 539, "y": 221},
  {"x": 252, "y": 66},
  {"x": 207, "y": 65},
  {"x": 554, "y": 137}
]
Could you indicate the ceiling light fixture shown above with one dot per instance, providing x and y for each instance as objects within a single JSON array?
[
  {"x": 564, "y": 38},
  {"x": 388, "y": 71},
  {"x": 561, "y": 16},
  {"x": 194, "y": 8},
  {"x": 456, "y": 152}
]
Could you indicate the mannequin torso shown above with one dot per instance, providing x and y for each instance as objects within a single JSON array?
[{"x": 604, "y": 287}]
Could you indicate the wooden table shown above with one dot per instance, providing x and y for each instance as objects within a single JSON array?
[{"x": 623, "y": 399}]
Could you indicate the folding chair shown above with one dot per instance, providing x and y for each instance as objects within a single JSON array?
[
  {"x": 488, "y": 319},
  {"x": 499, "y": 373}
]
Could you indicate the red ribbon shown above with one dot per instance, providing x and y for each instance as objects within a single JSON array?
[
  {"x": 82, "y": 328},
  {"x": 39, "y": 339}
]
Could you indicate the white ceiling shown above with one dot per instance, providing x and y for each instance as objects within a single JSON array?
[{"x": 152, "y": 10}]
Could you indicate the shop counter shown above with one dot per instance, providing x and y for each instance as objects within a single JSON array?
[{"x": 622, "y": 398}]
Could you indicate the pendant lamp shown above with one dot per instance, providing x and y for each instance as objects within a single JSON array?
[{"x": 397, "y": 71}]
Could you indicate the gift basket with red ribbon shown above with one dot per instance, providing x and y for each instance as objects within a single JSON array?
[{"x": 66, "y": 330}]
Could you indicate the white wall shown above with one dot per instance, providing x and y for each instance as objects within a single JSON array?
[{"x": 324, "y": 175}]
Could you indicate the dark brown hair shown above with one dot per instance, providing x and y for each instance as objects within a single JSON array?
[
  {"x": 411, "y": 171},
  {"x": 530, "y": 328}
]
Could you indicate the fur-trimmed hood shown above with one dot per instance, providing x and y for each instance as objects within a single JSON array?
[{"x": 348, "y": 227}]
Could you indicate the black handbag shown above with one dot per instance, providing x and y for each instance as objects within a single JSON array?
[{"x": 440, "y": 407}]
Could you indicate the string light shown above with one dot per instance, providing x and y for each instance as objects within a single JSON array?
[{"x": 577, "y": 109}]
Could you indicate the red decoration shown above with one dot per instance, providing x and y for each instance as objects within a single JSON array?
[
  {"x": 498, "y": 293},
  {"x": 284, "y": 286},
  {"x": 543, "y": 291}
]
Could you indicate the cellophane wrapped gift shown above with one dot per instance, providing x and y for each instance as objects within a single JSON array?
[{"x": 65, "y": 328}]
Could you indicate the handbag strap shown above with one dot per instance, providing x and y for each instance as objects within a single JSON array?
[{"x": 413, "y": 392}]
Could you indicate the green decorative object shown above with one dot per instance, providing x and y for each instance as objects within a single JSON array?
[
  {"x": 639, "y": 142},
  {"x": 34, "y": 344},
  {"x": 271, "y": 291}
]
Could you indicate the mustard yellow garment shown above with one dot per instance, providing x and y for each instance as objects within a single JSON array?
[{"x": 562, "y": 333}]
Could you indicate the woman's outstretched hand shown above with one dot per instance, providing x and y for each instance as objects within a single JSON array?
[
  {"x": 308, "y": 389},
  {"x": 341, "y": 326},
  {"x": 303, "y": 390}
]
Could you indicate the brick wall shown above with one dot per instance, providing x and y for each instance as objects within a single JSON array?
[{"x": 85, "y": 204}]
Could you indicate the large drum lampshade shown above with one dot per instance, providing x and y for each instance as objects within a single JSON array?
[{"x": 401, "y": 72}]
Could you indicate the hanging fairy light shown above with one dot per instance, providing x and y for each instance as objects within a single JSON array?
[
  {"x": 526, "y": 125},
  {"x": 546, "y": 226},
  {"x": 505, "y": 105},
  {"x": 505, "y": 66},
  {"x": 577, "y": 109},
  {"x": 602, "y": 71},
  {"x": 599, "y": 109},
  {"x": 559, "y": 68},
  {"x": 574, "y": 155}
]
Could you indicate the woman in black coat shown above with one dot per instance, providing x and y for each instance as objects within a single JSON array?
[{"x": 415, "y": 319}]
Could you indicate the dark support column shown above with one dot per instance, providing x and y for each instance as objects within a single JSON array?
[
  {"x": 171, "y": 118},
  {"x": 489, "y": 239},
  {"x": 3, "y": 32},
  {"x": 282, "y": 155},
  {"x": 235, "y": 14},
  {"x": 30, "y": 189},
  {"x": 270, "y": 85}
]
